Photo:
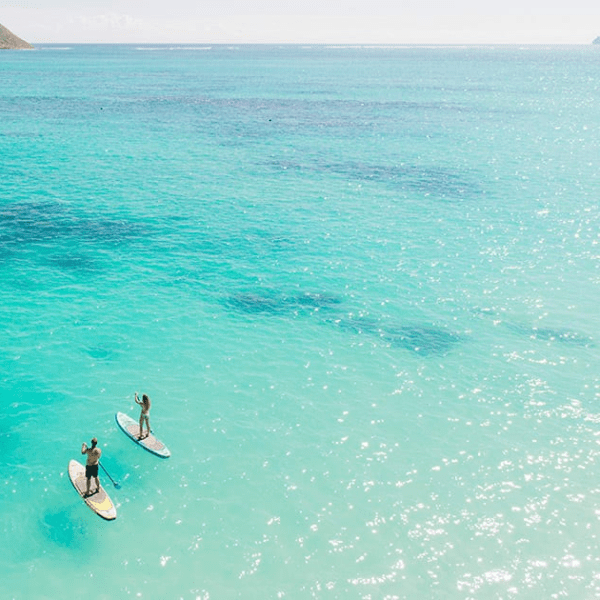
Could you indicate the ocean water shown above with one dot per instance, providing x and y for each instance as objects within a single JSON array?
[{"x": 360, "y": 285}]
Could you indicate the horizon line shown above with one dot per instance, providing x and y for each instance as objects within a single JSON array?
[{"x": 329, "y": 44}]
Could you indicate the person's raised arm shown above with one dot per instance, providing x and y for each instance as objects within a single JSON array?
[{"x": 84, "y": 448}]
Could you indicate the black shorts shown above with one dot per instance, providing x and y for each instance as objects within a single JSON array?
[{"x": 91, "y": 471}]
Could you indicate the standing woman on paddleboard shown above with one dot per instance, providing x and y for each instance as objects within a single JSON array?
[{"x": 145, "y": 415}]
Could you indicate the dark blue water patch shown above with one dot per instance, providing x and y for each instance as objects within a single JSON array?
[
  {"x": 436, "y": 181},
  {"x": 316, "y": 300},
  {"x": 277, "y": 303},
  {"x": 109, "y": 231},
  {"x": 28, "y": 222},
  {"x": 5, "y": 253},
  {"x": 359, "y": 325},
  {"x": 565, "y": 336},
  {"x": 19, "y": 134},
  {"x": 255, "y": 303},
  {"x": 73, "y": 262},
  {"x": 308, "y": 107},
  {"x": 40, "y": 108},
  {"x": 63, "y": 528},
  {"x": 24, "y": 223},
  {"x": 253, "y": 118},
  {"x": 550, "y": 334},
  {"x": 425, "y": 340},
  {"x": 244, "y": 121},
  {"x": 260, "y": 238},
  {"x": 101, "y": 353}
]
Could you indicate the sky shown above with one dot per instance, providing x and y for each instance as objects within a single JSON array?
[{"x": 304, "y": 21}]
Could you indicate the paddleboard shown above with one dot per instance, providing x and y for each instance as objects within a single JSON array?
[
  {"x": 132, "y": 429},
  {"x": 99, "y": 501}
]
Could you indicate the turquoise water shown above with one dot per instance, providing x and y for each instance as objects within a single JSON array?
[{"x": 360, "y": 286}]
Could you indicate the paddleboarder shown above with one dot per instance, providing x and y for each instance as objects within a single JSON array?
[
  {"x": 145, "y": 414},
  {"x": 91, "y": 466}
]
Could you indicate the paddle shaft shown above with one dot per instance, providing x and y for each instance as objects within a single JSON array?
[{"x": 108, "y": 474}]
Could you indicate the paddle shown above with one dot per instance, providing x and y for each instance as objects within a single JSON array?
[{"x": 117, "y": 485}]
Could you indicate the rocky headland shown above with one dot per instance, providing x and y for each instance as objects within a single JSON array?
[{"x": 9, "y": 41}]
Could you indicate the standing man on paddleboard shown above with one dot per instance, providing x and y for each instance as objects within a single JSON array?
[
  {"x": 91, "y": 467},
  {"x": 145, "y": 416}
]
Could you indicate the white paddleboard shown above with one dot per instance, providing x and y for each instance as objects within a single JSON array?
[
  {"x": 99, "y": 501},
  {"x": 132, "y": 429}
]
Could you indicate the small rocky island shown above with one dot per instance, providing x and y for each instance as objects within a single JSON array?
[
  {"x": 597, "y": 40},
  {"x": 9, "y": 41}
]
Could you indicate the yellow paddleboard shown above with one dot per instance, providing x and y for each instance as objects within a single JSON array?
[{"x": 99, "y": 501}]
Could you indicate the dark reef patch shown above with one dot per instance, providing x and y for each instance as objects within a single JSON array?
[
  {"x": 274, "y": 303},
  {"x": 41, "y": 222},
  {"x": 425, "y": 340},
  {"x": 436, "y": 181},
  {"x": 100, "y": 353},
  {"x": 72, "y": 262},
  {"x": 253, "y": 303},
  {"x": 359, "y": 325},
  {"x": 315, "y": 300},
  {"x": 550, "y": 334}
]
